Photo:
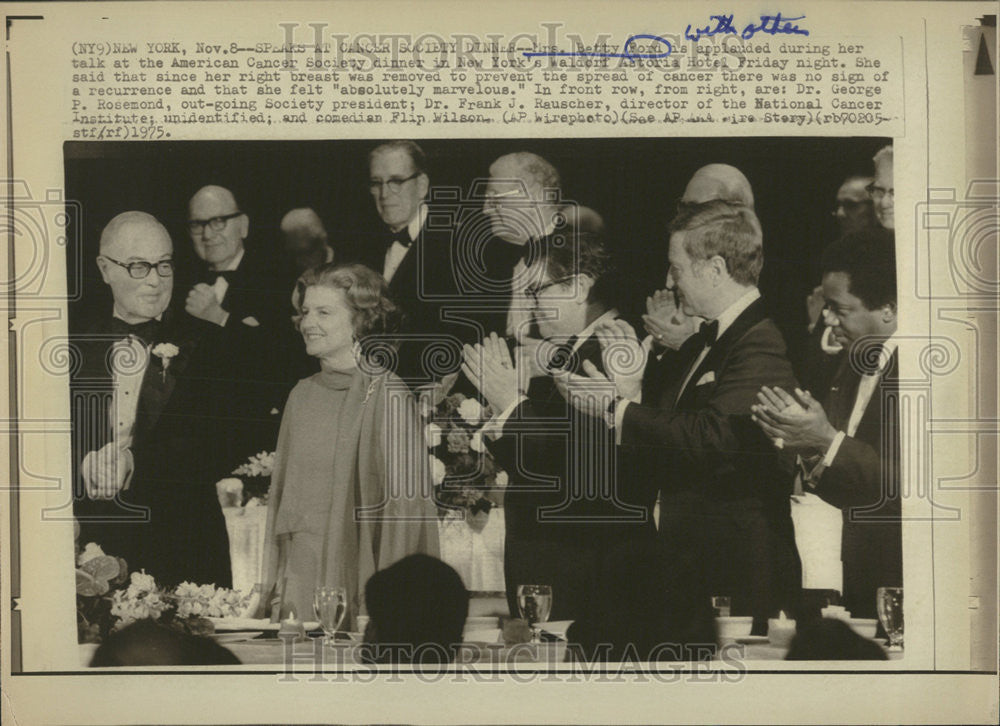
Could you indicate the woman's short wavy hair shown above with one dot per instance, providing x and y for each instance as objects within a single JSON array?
[{"x": 366, "y": 292}]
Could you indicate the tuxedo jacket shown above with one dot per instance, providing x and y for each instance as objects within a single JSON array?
[
  {"x": 425, "y": 287},
  {"x": 260, "y": 337},
  {"x": 723, "y": 496},
  {"x": 863, "y": 480},
  {"x": 566, "y": 504},
  {"x": 193, "y": 426}
]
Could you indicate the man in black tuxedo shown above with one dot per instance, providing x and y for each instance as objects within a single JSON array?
[
  {"x": 685, "y": 416},
  {"x": 240, "y": 291},
  {"x": 418, "y": 263},
  {"x": 564, "y": 510},
  {"x": 158, "y": 417},
  {"x": 849, "y": 449}
]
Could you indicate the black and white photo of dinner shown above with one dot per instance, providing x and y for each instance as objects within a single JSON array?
[{"x": 589, "y": 400}]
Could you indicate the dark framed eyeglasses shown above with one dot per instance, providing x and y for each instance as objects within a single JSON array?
[
  {"x": 140, "y": 270},
  {"x": 216, "y": 224},
  {"x": 851, "y": 205},
  {"x": 877, "y": 193},
  {"x": 535, "y": 291},
  {"x": 393, "y": 184}
]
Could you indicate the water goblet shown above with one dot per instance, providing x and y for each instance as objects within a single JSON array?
[
  {"x": 889, "y": 603},
  {"x": 330, "y": 604},
  {"x": 534, "y": 602}
]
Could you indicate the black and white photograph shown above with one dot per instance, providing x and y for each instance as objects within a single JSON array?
[
  {"x": 575, "y": 362},
  {"x": 621, "y": 395}
]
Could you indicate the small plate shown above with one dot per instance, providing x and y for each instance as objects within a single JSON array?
[
  {"x": 236, "y": 637},
  {"x": 745, "y": 639},
  {"x": 261, "y": 624}
]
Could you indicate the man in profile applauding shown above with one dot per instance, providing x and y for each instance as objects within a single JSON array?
[{"x": 686, "y": 415}]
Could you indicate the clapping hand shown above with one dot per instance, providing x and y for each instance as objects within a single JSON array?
[
  {"x": 201, "y": 303},
  {"x": 491, "y": 370},
  {"x": 624, "y": 359},
  {"x": 668, "y": 325},
  {"x": 106, "y": 471},
  {"x": 799, "y": 422}
]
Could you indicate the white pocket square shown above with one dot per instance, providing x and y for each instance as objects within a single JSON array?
[
  {"x": 251, "y": 321},
  {"x": 707, "y": 378}
]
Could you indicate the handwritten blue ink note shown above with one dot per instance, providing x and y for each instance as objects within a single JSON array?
[{"x": 769, "y": 24}]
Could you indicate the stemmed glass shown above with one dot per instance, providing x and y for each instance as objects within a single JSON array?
[
  {"x": 534, "y": 602},
  {"x": 889, "y": 603},
  {"x": 330, "y": 604}
]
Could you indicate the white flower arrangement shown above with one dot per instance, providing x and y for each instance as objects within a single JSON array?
[
  {"x": 91, "y": 551},
  {"x": 471, "y": 410},
  {"x": 141, "y": 599},
  {"x": 260, "y": 464},
  {"x": 165, "y": 352},
  {"x": 209, "y": 601}
]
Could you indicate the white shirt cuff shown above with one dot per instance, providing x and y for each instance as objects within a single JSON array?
[
  {"x": 494, "y": 426},
  {"x": 831, "y": 453}
]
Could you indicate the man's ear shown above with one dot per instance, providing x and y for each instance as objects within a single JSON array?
[
  {"x": 583, "y": 285},
  {"x": 423, "y": 185},
  {"x": 718, "y": 267},
  {"x": 889, "y": 312},
  {"x": 104, "y": 266},
  {"x": 244, "y": 226}
]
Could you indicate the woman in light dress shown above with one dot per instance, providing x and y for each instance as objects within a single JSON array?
[{"x": 351, "y": 491}]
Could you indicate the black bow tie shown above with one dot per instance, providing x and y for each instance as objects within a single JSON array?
[
  {"x": 709, "y": 331},
  {"x": 147, "y": 331},
  {"x": 210, "y": 276},
  {"x": 402, "y": 236}
]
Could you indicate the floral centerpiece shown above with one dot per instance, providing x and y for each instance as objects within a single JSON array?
[
  {"x": 468, "y": 483},
  {"x": 108, "y": 598},
  {"x": 251, "y": 487}
]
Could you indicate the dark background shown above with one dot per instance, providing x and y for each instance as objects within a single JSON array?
[{"x": 633, "y": 182}]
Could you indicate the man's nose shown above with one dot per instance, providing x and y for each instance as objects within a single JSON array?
[{"x": 830, "y": 320}]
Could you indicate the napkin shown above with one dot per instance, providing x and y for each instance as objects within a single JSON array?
[{"x": 818, "y": 528}]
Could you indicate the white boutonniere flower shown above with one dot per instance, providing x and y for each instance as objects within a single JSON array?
[{"x": 165, "y": 352}]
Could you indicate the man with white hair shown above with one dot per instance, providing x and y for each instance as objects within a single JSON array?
[{"x": 157, "y": 417}]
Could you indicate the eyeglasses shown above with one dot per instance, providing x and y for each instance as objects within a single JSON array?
[
  {"x": 216, "y": 224},
  {"x": 878, "y": 193},
  {"x": 535, "y": 291},
  {"x": 492, "y": 197},
  {"x": 394, "y": 184},
  {"x": 140, "y": 270},
  {"x": 851, "y": 205}
]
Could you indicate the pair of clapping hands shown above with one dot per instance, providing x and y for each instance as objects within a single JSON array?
[
  {"x": 797, "y": 422},
  {"x": 107, "y": 470},
  {"x": 503, "y": 378}
]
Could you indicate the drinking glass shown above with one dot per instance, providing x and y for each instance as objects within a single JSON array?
[
  {"x": 889, "y": 602},
  {"x": 721, "y": 604},
  {"x": 534, "y": 603},
  {"x": 330, "y": 604}
]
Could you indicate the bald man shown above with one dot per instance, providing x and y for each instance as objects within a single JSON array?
[
  {"x": 524, "y": 207},
  {"x": 305, "y": 242},
  {"x": 157, "y": 417},
  {"x": 245, "y": 292}
]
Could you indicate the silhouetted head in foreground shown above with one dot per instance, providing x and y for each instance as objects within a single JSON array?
[
  {"x": 831, "y": 639},
  {"x": 146, "y": 643},
  {"x": 417, "y": 610}
]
